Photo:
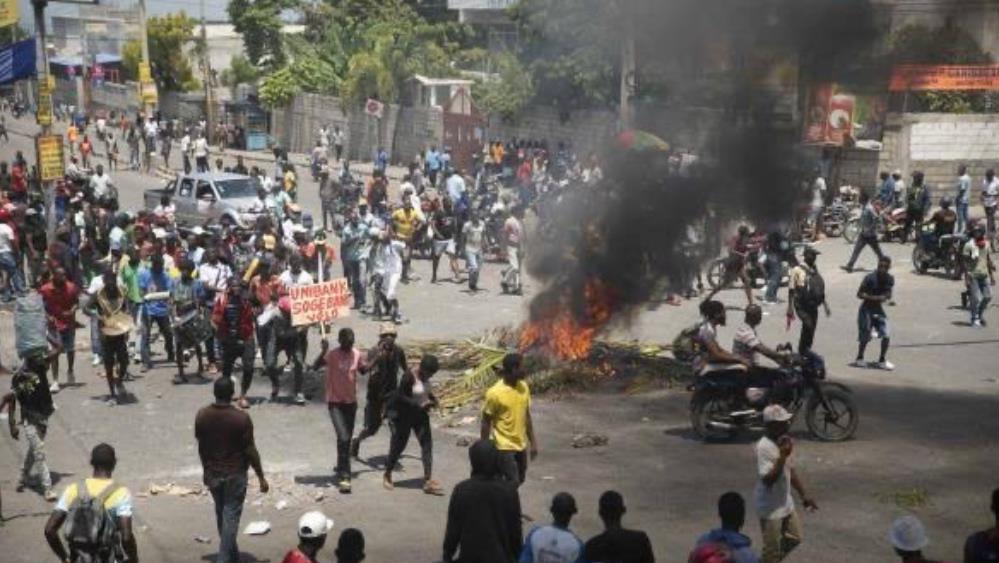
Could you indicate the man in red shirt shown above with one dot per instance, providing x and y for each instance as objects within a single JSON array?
[
  {"x": 62, "y": 298},
  {"x": 312, "y": 529},
  {"x": 233, "y": 320},
  {"x": 342, "y": 366},
  {"x": 18, "y": 183}
]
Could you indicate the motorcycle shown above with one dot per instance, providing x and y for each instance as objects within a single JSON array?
[
  {"x": 890, "y": 224},
  {"x": 932, "y": 252},
  {"x": 835, "y": 217},
  {"x": 719, "y": 409},
  {"x": 755, "y": 265}
]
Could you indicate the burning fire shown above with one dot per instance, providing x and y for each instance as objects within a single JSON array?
[{"x": 565, "y": 336}]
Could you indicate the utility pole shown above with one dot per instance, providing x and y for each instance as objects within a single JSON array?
[
  {"x": 628, "y": 76},
  {"x": 42, "y": 77},
  {"x": 206, "y": 66},
  {"x": 147, "y": 107},
  {"x": 85, "y": 58}
]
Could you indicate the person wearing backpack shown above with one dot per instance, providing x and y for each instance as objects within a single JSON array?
[
  {"x": 95, "y": 516},
  {"x": 807, "y": 293}
]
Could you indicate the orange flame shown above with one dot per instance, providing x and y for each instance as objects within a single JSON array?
[{"x": 565, "y": 336}]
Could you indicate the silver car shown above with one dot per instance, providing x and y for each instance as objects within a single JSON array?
[{"x": 210, "y": 197}]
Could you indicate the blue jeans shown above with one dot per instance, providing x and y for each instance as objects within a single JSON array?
[
  {"x": 981, "y": 294},
  {"x": 228, "y": 494},
  {"x": 773, "y": 277},
  {"x": 472, "y": 262},
  {"x": 355, "y": 280},
  {"x": 962, "y": 217},
  {"x": 8, "y": 265},
  {"x": 95, "y": 336},
  {"x": 163, "y": 323}
]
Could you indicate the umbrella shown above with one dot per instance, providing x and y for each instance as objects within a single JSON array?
[{"x": 637, "y": 139}]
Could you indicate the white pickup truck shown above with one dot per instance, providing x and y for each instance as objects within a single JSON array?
[{"x": 208, "y": 198}]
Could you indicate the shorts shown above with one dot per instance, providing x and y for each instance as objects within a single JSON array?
[
  {"x": 870, "y": 325},
  {"x": 444, "y": 247},
  {"x": 65, "y": 338},
  {"x": 392, "y": 285}
]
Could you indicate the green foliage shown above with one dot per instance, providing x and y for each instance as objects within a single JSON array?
[
  {"x": 507, "y": 95},
  {"x": 240, "y": 71},
  {"x": 259, "y": 22},
  {"x": 916, "y": 44},
  {"x": 169, "y": 35},
  {"x": 565, "y": 45},
  {"x": 131, "y": 56},
  {"x": 303, "y": 75}
]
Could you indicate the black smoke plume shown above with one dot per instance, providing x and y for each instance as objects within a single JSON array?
[{"x": 628, "y": 237}]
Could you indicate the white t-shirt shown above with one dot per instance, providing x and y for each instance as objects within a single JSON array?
[
  {"x": 100, "y": 184},
  {"x": 990, "y": 192},
  {"x": 775, "y": 501},
  {"x": 96, "y": 285},
  {"x": 215, "y": 277},
  {"x": 200, "y": 147},
  {"x": 289, "y": 279},
  {"x": 745, "y": 342},
  {"x": 551, "y": 544},
  {"x": 6, "y": 238},
  {"x": 818, "y": 192},
  {"x": 473, "y": 237},
  {"x": 185, "y": 143}
]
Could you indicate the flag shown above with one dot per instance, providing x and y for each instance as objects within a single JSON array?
[{"x": 17, "y": 61}]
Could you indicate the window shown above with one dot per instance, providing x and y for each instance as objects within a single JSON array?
[
  {"x": 186, "y": 186},
  {"x": 170, "y": 187},
  {"x": 205, "y": 191}
]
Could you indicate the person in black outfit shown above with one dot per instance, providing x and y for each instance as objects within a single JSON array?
[
  {"x": 483, "y": 517},
  {"x": 408, "y": 409},
  {"x": 386, "y": 359},
  {"x": 616, "y": 543}
]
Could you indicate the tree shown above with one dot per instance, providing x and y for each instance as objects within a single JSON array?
[
  {"x": 170, "y": 37},
  {"x": 916, "y": 44},
  {"x": 240, "y": 71},
  {"x": 259, "y": 22},
  {"x": 508, "y": 94}
]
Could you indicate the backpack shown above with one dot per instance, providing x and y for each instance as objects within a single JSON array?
[
  {"x": 90, "y": 530},
  {"x": 30, "y": 325},
  {"x": 686, "y": 345},
  {"x": 814, "y": 292}
]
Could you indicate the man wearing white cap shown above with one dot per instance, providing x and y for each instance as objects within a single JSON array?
[
  {"x": 781, "y": 529},
  {"x": 908, "y": 537},
  {"x": 312, "y": 529}
]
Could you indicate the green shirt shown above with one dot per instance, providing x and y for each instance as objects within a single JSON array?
[{"x": 130, "y": 279}]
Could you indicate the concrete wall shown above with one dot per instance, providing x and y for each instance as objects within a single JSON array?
[
  {"x": 120, "y": 97},
  {"x": 937, "y": 143},
  {"x": 296, "y": 127},
  {"x": 416, "y": 129},
  {"x": 587, "y": 130}
]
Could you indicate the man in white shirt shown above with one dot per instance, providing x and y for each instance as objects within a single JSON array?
[
  {"x": 201, "y": 153},
  {"x": 990, "y": 198},
  {"x": 455, "y": 186},
  {"x": 513, "y": 234},
  {"x": 185, "y": 151},
  {"x": 781, "y": 529},
  {"x": 554, "y": 543},
  {"x": 100, "y": 183},
  {"x": 295, "y": 276},
  {"x": 8, "y": 262}
]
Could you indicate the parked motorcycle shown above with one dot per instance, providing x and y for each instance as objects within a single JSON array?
[
  {"x": 755, "y": 265},
  {"x": 932, "y": 252},
  {"x": 719, "y": 409},
  {"x": 890, "y": 225}
]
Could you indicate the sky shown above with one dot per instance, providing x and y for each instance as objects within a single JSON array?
[{"x": 214, "y": 9}]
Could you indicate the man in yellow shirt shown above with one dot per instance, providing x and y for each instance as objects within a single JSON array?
[
  {"x": 506, "y": 420},
  {"x": 405, "y": 223},
  {"x": 117, "y": 502},
  {"x": 72, "y": 136}
]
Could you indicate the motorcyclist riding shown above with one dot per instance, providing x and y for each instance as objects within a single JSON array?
[
  {"x": 944, "y": 220},
  {"x": 747, "y": 345}
]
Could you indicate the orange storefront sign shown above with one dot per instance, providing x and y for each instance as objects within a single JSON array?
[{"x": 944, "y": 77}]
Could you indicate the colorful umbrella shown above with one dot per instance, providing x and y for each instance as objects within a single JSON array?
[{"x": 637, "y": 139}]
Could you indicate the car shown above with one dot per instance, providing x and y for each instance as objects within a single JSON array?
[{"x": 210, "y": 197}]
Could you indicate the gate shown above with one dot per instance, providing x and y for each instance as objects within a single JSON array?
[{"x": 463, "y": 130}]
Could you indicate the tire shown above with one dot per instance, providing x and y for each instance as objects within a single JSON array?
[
  {"x": 716, "y": 274},
  {"x": 833, "y": 228},
  {"x": 852, "y": 230},
  {"x": 819, "y": 419},
  {"x": 919, "y": 260},
  {"x": 702, "y": 407}
]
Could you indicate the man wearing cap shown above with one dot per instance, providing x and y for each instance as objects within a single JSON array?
[
  {"x": 555, "y": 543},
  {"x": 807, "y": 292},
  {"x": 312, "y": 529},
  {"x": 386, "y": 359},
  {"x": 908, "y": 538},
  {"x": 781, "y": 529}
]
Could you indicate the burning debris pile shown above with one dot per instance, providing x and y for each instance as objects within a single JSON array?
[{"x": 636, "y": 366}]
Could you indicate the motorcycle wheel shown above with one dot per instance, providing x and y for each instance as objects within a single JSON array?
[
  {"x": 919, "y": 261},
  {"x": 852, "y": 230},
  {"x": 704, "y": 409},
  {"x": 832, "y": 227},
  {"x": 716, "y": 273},
  {"x": 834, "y": 421}
]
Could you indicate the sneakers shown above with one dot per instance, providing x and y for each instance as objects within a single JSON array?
[
  {"x": 299, "y": 399},
  {"x": 858, "y": 364},
  {"x": 96, "y": 361},
  {"x": 344, "y": 486},
  {"x": 885, "y": 365},
  {"x": 976, "y": 323},
  {"x": 54, "y": 388}
]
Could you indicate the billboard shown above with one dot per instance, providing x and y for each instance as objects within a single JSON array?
[
  {"x": 835, "y": 116},
  {"x": 905, "y": 78}
]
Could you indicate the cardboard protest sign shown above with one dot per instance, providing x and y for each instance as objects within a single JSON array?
[{"x": 320, "y": 302}]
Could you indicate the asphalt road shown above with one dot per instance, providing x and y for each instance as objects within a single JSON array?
[{"x": 927, "y": 427}]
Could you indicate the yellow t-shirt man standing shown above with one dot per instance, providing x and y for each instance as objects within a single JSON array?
[{"x": 506, "y": 420}]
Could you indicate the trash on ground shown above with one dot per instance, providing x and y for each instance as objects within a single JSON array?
[
  {"x": 258, "y": 528},
  {"x": 589, "y": 440}
]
